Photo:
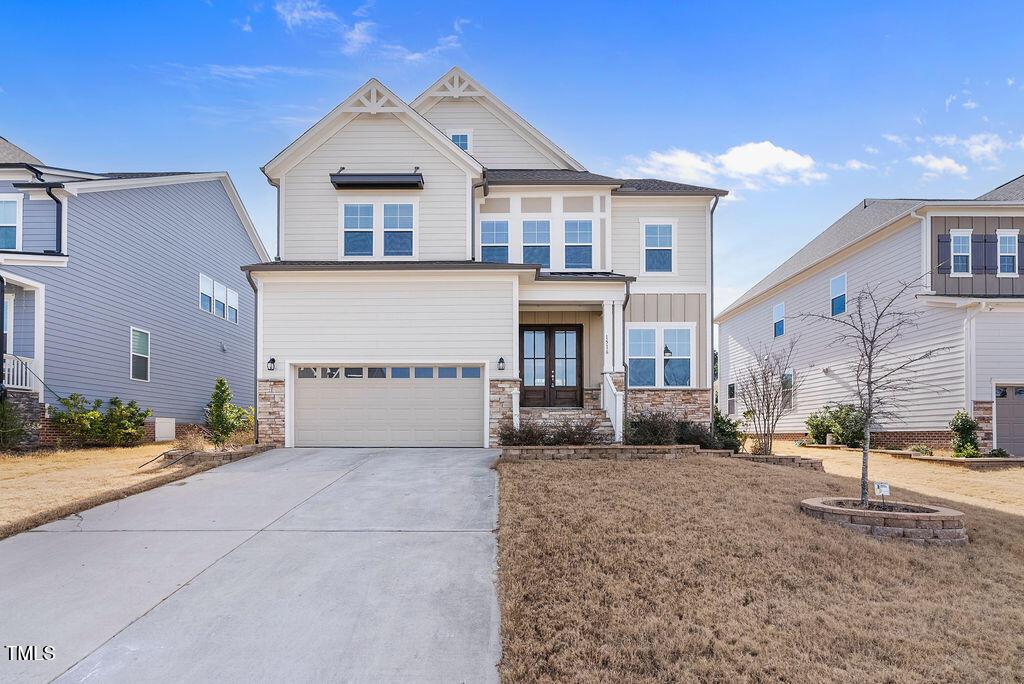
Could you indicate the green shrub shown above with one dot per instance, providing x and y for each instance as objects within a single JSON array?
[
  {"x": 123, "y": 424},
  {"x": 728, "y": 431},
  {"x": 650, "y": 428},
  {"x": 845, "y": 422},
  {"x": 688, "y": 432},
  {"x": 967, "y": 451},
  {"x": 528, "y": 433},
  {"x": 965, "y": 434},
  {"x": 565, "y": 432},
  {"x": 84, "y": 424},
  {"x": 818, "y": 426},
  {"x": 12, "y": 425},
  {"x": 224, "y": 419},
  {"x": 920, "y": 449}
]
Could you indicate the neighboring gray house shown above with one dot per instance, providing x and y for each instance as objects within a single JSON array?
[
  {"x": 967, "y": 257},
  {"x": 124, "y": 284}
]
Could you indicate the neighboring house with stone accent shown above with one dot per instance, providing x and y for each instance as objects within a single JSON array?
[
  {"x": 965, "y": 258},
  {"x": 123, "y": 284},
  {"x": 444, "y": 267}
]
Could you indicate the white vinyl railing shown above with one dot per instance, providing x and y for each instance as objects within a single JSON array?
[
  {"x": 18, "y": 372},
  {"x": 612, "y": 403}
]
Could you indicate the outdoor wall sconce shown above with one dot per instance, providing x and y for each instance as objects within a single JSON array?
[
  {"x": 501, "y": 363},
  {"x": 271, "y": 364}
]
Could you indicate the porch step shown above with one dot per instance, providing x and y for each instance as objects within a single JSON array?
[{"x": 553, "y": 415}]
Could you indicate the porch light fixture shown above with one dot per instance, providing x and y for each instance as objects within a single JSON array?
[
  {"x": 271, "y": 364},
  {"x": 501, "y": 363}
]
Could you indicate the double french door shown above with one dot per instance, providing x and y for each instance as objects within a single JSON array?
[{"x": 551, "y": 365}]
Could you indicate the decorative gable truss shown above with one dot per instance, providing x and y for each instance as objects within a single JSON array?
[{"x": 457, "y": 84}]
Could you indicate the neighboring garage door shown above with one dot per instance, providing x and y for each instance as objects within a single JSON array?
[
  {"x": 406, "y": 406},
  {"x": 1010, "y": 418}
]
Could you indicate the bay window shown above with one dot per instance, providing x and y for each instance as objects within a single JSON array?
[{"x": 660, "y": 354}]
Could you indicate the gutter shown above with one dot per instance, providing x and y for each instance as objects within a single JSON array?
[
  {"x": 255, "y": 351},
  {"x": 711, "y": 311},
  {"x": 59, "y": 227}
]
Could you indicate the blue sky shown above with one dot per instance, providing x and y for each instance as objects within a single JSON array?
[{"x": 801, "y": 109}]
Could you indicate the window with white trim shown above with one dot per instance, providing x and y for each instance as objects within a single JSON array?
[
  {"x": 460, "y": 138},
  {"x": 206, "y": 293},
  {"x": 494, "y": 242},
  {"x": 837, "y": 295},
  {"x": 660, "y": 355},
  {"x": 220, "y": 299},
  {"x": 357, "y": 226},
  {"x": 10, "y": 221},
  {"x": 787, "y": 389},
  {"x": 232, "y": 306},
  {"x": 779, "y": 320},
  {"x": 139, "y": 354},
  {"x": 398, "y": 228},
  {"x": 658, "y": 249},
  {"x": 579, "y": 244},
  {"x": 217, "y": 298},
  {"x": 730, "y": 404},
  {"x": 1008, "y": 239},
  {"x": 537, "y": 243},
  {"x": 8, "y": 323},
  {"x": 960, "y": 252}
]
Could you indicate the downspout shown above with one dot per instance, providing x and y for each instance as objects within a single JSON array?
[
  {"x": 278, "y": 257},
  {"x": 255, "y": 351},
  {"x": 59, "y": 228},
  {"x": 625, "y": 365},
  {"x": 472, "y": 213},
  {"x": 711, "y": 310}
]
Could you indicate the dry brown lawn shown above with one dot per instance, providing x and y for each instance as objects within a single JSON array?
[
  {"x": 999, "y": 489},
  {"x": 704, "y": 570},
  {"x": 37, "y": 488}
]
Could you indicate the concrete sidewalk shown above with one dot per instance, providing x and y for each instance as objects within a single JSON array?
[{"x": 293, "y": 565}]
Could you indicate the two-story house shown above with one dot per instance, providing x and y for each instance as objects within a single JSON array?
[
  {"x": 123, "y": 284},
  {"x": 964, "y": 258},
  {"x": 445, "y": 267}
]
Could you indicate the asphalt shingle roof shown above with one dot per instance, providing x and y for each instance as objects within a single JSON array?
[
  {"x": 12, "y": 154},
  {"x": 637, "y": 186},
  {"x": 1014, "y": 190}
]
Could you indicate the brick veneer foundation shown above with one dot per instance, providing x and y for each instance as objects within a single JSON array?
[
  {"x": 270, "y": 411},
  {"x": 936, "y": 439},
  {"x": 692, "y": 405},
  {"x": 500, "y": 405},
  {"x": 983, "y": 414}
]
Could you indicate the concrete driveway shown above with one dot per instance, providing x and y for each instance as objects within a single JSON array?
[{"x": 294, "y": 565}]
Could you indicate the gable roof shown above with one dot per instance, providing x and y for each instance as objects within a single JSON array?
[
  {"x": 1013, "y": 190},
  {"x": 373, "y": 97},
  {"x": 457, "y": 84},
  {"x": 12, "y": 154}
]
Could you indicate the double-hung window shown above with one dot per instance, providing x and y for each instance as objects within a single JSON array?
[
  {"x": 537, "y": 243},
  {"x": 232, "y": 306},
  {"x": 8, "y": 324},
  {"x": 837, "y": 293},
  {"x": 787, "y": 389},
  {"x": 779, "y": 320},
  {"x": 217, "y": 298},
  {"x": 358, "y": 229},
  {"x": 1008, "y": 266},
  {"x": 398, "y": 222},
  {"x": 494, "y": 242},
  {"x": 660, "y": 355},
  {"x": 220, "y": 300},
  {"x": 10, "y": 219},
  {"x": 139, "y": 355},
  {"x": 206, "y": 293},
  {"x": 960, "y": 250},
  {"x": 579, "y": 244},
  {"x": 730, "y": 405},
  {"x": 658, "y": 248}
]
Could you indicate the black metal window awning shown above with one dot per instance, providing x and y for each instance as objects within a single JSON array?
[{"x": 378, "y": 181}]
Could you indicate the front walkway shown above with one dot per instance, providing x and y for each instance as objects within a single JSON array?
[{"x": 294, "y": 565}]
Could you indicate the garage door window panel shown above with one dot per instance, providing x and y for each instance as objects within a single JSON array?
[
  {"x": 353, "y": 372},
  {"x": 400, "y": 373},
  {"x": 424, "y": 373}
]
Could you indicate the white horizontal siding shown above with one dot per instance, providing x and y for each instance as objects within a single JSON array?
[
  {"x": 938, "y": 387},
  {"x": 495, "y": 145},
  {"x": 405, "y": 319},
  {"x": 379, "y": 143},
  {"x": 998, "y": 351},
  {"x": 691, "y": 216}
]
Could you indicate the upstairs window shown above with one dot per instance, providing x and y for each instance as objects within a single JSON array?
[
  {"x": 537, "y": 243},
  {"x": 10, "y": 221},
  {"x": 658, "y": 248},
  {"x": 837, "y": 292},
  {"x": 220, "y": 300},
  {"x": 217, "y": 299},
  {"x": 579, "y": 244},
  {"x": 960, "y": 249},
  {"x": 779, "y": 320},
  {"x": 398, "y": 229},
  {"x": 139, "y": 355},
  {"x": 206, "y": 293},
  {"x": 494, "y": 242},
  {"x": 358, "y": 228},
  {"x": 461, "y": 139},
  {"x": 232, "y": 306},
  {"x": 1008, "y": 266}
]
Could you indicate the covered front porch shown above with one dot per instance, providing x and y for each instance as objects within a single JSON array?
[{"x": 23, "y": 333}]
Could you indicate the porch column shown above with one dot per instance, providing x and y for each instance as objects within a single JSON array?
[
  {"x": 618, "y": 351},
  {"x": 608, "y": 325}
]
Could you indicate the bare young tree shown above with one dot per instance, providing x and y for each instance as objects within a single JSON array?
[
  {"x": 766, "y": 391},
  {"x": 873, "y": 325}
]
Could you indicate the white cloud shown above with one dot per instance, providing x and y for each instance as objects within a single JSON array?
[
  {"x": 296, "y": 13},
  {"x": 1010, "y": 81},
  {"x": 969, "y": 104},
  {"x": 937, "y": 166},
  {"x": 364, "y": 9},
  {"x": 460, "y": 24},
  {"x": 400, "y": 52},
  {"x": 870, "y": 149},
  {"x": 852, "y": 165},
  {"x": 754, "y": 165},
  {"x": 234, "y": 73},
  {"x": 950, "y": 100},
  {"x": 895, "y": 139},
  {"x": 358, "y": 37},
  {"x": 980, "y": 147},
  {"x": 245, "y": 25}
]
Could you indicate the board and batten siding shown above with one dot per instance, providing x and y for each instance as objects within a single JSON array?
[
  {"x": 998, "y": 351},
  {"x": 979, "y": 283},
  {"x": 135, "y": 259},
  {"x": 938, "y": 389},
  {"x": 495, "y": 144},
  {"x": 378, "y": 143},
  {"x": 691, "y": 256},
  {"x": 396, "y": 319},
  {"x": 675, "y": 308},
  {"x": 593, "y": 335}
]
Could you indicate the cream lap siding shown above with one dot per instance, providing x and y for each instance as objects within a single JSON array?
[
  {"x": 691, "y": 244},
  {"x": 938, "y": 389},
  {"x": 373, "y": 143},
  {"x": 494, "y": 144},
  {"x": 998, "y": 356},
  {"x": 396, "y": 319}
]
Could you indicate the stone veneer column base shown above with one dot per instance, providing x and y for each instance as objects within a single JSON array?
[
  {"x": 692, "y": 405},
  {"x": 31, "y": 410},
  {"x": 270, "y": 411},
  {"x": 500, "y": 399},
  {"x": 983, "y": 411}
]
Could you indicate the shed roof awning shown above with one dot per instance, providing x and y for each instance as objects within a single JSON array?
[{"x": 378, "y": 181}]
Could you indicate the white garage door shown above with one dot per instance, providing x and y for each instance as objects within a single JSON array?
[
  {"x": 1010, "y": 419},
  {"x": 389, "y": 406}
]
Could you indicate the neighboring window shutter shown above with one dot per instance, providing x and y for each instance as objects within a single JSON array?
[
  {"x": 944, "y": 255},
  {"x": 1020, "y": 254},
  {"x": 978, "y": 254},
  {"x": 991, "y": 254}
]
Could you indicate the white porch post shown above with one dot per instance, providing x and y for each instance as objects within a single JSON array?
[
  {"x": 608, "y": 326},
  {"x": 619, "y": 359}
]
